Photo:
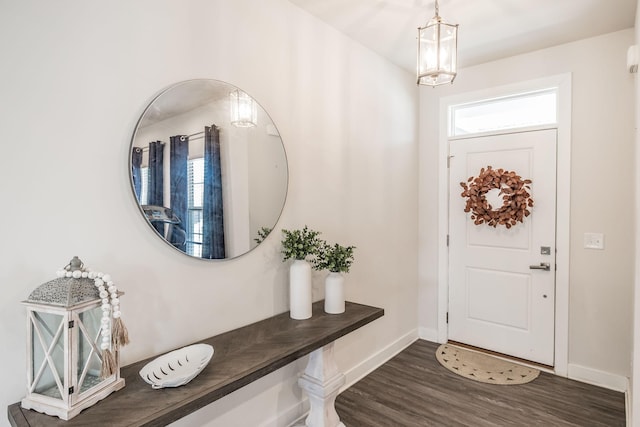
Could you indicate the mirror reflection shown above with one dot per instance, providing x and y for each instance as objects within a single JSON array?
[{"x": 208, "y": 169}]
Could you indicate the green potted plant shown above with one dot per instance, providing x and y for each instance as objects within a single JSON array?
[
  {"x": 337, "y": 259},
  {"x": 299, "y": 245}
]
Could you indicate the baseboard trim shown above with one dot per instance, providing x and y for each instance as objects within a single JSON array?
[
  {"x": 296, "y": 413},
  {"x": 598, "y": 378},
  {"x": 293, "y": 413},
  {"x": 352, "y": 376},
  {"x": 574, "y": 372},
  {"x": 378, "y": 359}
]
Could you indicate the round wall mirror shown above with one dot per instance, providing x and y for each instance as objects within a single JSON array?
[{"x": 208, "y": 169}]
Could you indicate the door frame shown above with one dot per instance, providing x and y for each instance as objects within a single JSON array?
[{"x": 562, "y": 83}]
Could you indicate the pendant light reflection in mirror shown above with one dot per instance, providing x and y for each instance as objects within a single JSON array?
[{"x": 243, "y": 109}]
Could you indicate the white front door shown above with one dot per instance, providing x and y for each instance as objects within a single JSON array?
[{"x": 500, "y": 298}]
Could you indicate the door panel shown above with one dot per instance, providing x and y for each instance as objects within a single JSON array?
[
  {"x": 498, "y": 297},
  {"x": 496, "y": 301}
]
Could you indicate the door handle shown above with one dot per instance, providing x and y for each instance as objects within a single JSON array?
[{"x": 543, "y": 266}]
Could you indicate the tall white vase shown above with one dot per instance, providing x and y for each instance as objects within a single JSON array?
[
  {"x": 334, "y": 293},
  {"x": 300, "y": 289}
]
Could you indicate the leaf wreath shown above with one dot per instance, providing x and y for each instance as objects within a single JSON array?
[{"x": 513, "y": 189}]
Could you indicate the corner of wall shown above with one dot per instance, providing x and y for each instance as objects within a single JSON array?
[
  {"x": 633, "y": 400},
  {"x": 428, "y": 334}
]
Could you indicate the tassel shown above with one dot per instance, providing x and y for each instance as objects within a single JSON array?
[
  {"x": 108, "y": 364},
  {"x": 119, "y": 333}
]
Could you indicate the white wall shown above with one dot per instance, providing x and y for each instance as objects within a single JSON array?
[
  {"x": 635, "y": 379},
  {"x": 602, "y": 176},
  {"x": 76, "y": 76}
]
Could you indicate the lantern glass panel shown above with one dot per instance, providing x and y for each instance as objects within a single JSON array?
[
  {"x": 89, "y": 362},
  {"x": 428, "y": 53},
  {"x": 448, "y": 47},
  {"x": 47, "y": 370}
]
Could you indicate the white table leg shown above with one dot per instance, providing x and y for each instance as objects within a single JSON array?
[{"x": 322, "y": 381}]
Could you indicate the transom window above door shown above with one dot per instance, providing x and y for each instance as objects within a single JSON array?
[{"x": 516, "y": 111}]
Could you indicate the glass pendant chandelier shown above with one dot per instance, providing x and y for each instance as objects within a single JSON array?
[{"x": 437, "y": 52}]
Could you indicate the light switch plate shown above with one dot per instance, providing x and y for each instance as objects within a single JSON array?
[{"x": 594, "y": 240}]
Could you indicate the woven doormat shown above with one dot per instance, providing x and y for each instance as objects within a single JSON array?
[{"x": 483, "y": 367}]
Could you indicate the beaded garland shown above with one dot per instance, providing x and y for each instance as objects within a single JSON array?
[{"x": 112, "y": 330}]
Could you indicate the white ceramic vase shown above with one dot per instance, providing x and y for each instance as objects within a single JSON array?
[
  {"x": 334, "y": 293},
  {"x": 300, "y": 289}
]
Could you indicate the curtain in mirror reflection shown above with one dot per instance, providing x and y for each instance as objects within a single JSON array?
[
  {"x": 156, "y": 178},
  {"x": 213, "y": 218},
  {"x": 178, "y": 156},
  {"x": 194, "y": 220}
]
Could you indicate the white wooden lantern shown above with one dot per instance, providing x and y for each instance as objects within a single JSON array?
[{"x": 64, "y": 357}]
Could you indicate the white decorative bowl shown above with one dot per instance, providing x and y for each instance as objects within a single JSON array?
[{"x": 177, "y": 367}]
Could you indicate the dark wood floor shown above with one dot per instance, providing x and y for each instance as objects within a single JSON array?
[{"x": 413, "y": 389}]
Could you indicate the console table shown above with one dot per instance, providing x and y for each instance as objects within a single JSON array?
[{"x": 240, "y": 357}]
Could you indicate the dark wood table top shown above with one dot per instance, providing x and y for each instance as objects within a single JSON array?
[{"x": 240, "y": 357}]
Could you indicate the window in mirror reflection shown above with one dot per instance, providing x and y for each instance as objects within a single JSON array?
[
  {"x": 144, "y": 189},
  {"x": 195, "y": 185}
]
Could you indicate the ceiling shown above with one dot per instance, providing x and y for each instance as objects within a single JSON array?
[
  {"x": 183, "y": 97},
  {"x": 489, "y": 29}
]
